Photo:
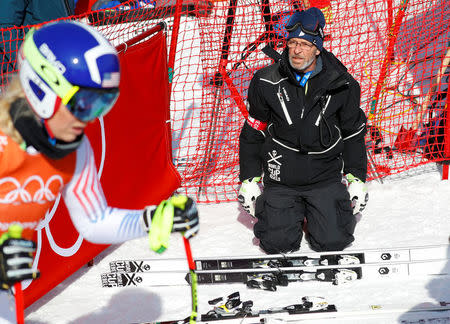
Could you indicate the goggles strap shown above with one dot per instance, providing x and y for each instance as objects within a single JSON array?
[
  {"x": 66, "y": 98},
  {"x": 317, "y": 32}
]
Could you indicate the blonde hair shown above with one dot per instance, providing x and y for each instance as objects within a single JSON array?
[{"x": 8, "y": 96}]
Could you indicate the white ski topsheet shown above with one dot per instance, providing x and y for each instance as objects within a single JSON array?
[
  {"x": 440, "y": 314},
  {"x": 425, "y": 316},
  {"x": 402, "y": 254}
]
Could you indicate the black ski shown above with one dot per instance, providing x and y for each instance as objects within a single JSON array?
[
  {"x": 267, "y": 279},
  {"x": 270, "y": 280}
]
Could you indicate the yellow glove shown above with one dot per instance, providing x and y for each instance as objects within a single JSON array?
[{"x": 177, "y": 214}]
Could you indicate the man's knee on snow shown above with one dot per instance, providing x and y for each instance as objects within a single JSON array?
[
  {"x": 338, "y": 236},
  {"x": 277, "y": 240},
  {"x": 276, "y": 236},
  {"x": 328, "y": 244},
  {"x": 279, "y": 246}
]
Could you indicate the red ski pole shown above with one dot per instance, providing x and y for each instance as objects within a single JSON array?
[{"x": 19, "y": 303}]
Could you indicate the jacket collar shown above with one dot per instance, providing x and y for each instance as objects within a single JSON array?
[{"x": 331, "y": 67}]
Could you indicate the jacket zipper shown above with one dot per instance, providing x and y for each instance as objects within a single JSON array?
[
  {"x": 283, "y": 106},
  {"x": 323, "y": 110}
]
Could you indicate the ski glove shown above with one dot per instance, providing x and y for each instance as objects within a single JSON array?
[
  {"x": 16, "y": 258},
  {"x": 177, "y": 214},
  {"x": 248, "y": 193},
  {"x": 358, "y": 193}
]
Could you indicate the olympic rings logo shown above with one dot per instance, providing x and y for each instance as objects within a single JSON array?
[{"x": 21, "y": 195}]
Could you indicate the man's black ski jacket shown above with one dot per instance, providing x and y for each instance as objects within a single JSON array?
[{"x": 311, "y": 138}]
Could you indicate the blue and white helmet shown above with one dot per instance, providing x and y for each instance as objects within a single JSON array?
[{"x": 71, "y": 63}]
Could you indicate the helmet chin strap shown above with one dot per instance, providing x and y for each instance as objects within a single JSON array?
[{"x": 51, "y": 137}]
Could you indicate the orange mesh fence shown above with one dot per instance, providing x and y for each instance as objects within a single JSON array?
[{"x": 398, "y": 50}]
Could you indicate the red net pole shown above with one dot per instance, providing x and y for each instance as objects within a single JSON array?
[
  {"x": 388, "y": 58},
  {"x": 446, "y": 136},
  {"x": 173, "y": 41},
  {"x": 390, "y": 14}
]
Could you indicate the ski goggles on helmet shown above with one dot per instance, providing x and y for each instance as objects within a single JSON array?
[
  {"x": 307, "y": 23},
  {"x": 89, "y": 103}
]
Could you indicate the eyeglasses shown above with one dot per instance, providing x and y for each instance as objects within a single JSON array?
[{"x": 303, "y": 45}]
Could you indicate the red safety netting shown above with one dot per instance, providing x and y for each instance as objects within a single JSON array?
[{"x": 398, "y": 50}]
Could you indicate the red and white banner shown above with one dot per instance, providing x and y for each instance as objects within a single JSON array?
[{"x": 133, "y": 153}]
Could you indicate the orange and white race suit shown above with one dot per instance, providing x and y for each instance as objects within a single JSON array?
[{"x": 30, "y": 183}]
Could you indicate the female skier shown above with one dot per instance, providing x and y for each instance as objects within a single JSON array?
[{"x": 68, "y": 76}]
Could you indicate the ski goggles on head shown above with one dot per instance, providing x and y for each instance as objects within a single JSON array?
[
  {"x": 89, "y": 103},
  {"x": 307, "y": 23}
]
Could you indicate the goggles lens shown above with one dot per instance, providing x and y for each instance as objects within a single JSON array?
[
  {"x": 306, "y": 30},
  {"x": 310, "y": 25},
  {"x": 89, "y": 103}
]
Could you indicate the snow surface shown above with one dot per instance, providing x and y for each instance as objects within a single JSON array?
[{"x": 406, "y": 210}]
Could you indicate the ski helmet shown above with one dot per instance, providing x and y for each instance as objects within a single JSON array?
[{"x": 72, "y": 63}]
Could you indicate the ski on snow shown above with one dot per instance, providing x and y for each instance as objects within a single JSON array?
[
  {"x": 319, "y": 310},
  {"x": 393, "y": 265},
  {"x": 233, "y": 308},
  {"x": 387, "y": 255}
]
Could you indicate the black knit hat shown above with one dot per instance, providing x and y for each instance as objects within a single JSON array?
[{"x": 308, "y": 25}]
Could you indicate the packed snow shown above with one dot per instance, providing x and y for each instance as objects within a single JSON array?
[{"x": 411, "y": 209}]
